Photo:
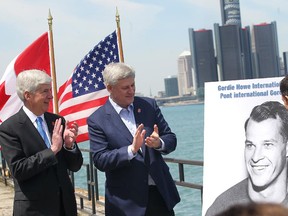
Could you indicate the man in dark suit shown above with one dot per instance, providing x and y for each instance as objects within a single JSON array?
[
  {"x": 128, "y": 136},
  {"x": 39, "y": 161}
]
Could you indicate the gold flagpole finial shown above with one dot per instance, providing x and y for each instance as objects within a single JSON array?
[
  {"x": 50, "y": 18},
  {"x": 121, "y": 56},
  {"x": 117, "y": 16},
  {"x": 52, "y": 60}
]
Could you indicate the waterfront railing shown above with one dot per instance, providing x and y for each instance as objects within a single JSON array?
[{"x": 90, "y": 200}]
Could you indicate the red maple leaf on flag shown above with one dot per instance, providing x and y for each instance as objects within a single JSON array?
[{"x": 35, "y": 56}]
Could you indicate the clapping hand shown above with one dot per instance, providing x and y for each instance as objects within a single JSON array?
[
  {"x": 70, "y": 134},
  {"x": 153, "y": 141},
  {"x": 57, "y": 140},
  {"x": 138, "y": 138}
]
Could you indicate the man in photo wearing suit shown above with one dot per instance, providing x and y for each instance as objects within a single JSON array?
[
  {"x": 40, "y": 148},
  {"x": 266, "y": 152},
  {"x": 128, "y": 136}
]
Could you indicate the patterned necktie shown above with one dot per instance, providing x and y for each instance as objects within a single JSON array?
[{"x": 40, "y": 129}]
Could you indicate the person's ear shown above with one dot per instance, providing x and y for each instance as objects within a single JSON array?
[
  {"x": 109, "y": 88},
  {"x": 285, "y": 100},
  {"x": 27, "y": 95}
]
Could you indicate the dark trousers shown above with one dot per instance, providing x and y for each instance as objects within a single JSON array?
[
  {"x": 61, "y": 208},
  {"x": 156, "y": 204}
]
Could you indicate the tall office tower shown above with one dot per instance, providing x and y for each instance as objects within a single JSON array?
[
  {"x": 203, "y": 57},
  {"x": 230, "y": 11},
  {"x": 233, "y": 43},
  {"x": 171, "y": 86},
  {"x": 233, "y": 52},
  {"x": 285, "y": 61},
  {"x": 265, "y": 51},
  {"x": 246, "y": 52},
  {"x": 185, "y": 74}
]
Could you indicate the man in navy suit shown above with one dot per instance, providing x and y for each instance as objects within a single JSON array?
[
  {"x": 128, "y": 136},
  {"x": 39, "y": 161}
]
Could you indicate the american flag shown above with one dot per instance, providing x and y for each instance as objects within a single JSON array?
[{"x": 85, "y": 91}]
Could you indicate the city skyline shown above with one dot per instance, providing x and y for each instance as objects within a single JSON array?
[{"x": 154, "y": 34}]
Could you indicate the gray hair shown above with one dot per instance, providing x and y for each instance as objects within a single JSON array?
[
  {"x": 29, "y": 80},
  {"x": 117, "y": 71}
]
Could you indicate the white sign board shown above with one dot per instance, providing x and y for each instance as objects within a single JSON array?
[{"x": 228, "y": 104}]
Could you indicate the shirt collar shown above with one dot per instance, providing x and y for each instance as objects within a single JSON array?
[
  {"x": 119, "y": 108},
  {"x": 31, "y": 115}
]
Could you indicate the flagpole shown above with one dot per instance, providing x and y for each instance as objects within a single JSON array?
[
  {"x": 121, "y": 56},
  {"x": 52, "y": 60}
]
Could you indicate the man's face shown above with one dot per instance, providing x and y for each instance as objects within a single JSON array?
[
  {"x": 38, "y": 102},
  {"x": 123, "y": 92},
  {"x": 265, "y": 151}
]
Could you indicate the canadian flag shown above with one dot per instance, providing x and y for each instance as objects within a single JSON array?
[{"x": 35, "y": 56}]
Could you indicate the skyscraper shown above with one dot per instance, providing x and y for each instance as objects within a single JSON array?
[
  {"x": 185, "y": 74},
  {"x": 247, "y": 54},
  {"x": 233, "y": 43},
  {"x": 230, "y": 11},
  {"x": 265, "y": 51},
  {"x": 239, "y": 54},
  {"x": 285, "y": 61},
  {"x": 171, "y": 86},
  {"x": 203, "y": 57},
  {"x": 229, "y": 52}
]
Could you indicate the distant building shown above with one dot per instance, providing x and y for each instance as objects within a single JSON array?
[
  {"x": 241, "y": 53},
  {"x": 160, "y": 94},
  {"x": 247, "y": 53},
  {"x": 185, "y": 82},
  {"x": 282, "y": 67},
  {"x": 204, "y": 66},
  {"x": 230, "y": 12},
  {"x": 265, "y": 51},
  {"x": 139, "y": 94},
  {"x": 171, "y": 86},
  {"x": 285, "y": 62},
  {"x": 231, "y": 57}
]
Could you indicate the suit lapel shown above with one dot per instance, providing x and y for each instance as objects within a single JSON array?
[
  {"x": 137, "y": 112},
  {"x": 116, "y": 121},
  {"x": 24, "y": 119},
  {"x": 138, "y": 115},
  {"x": 50, "y": 123}
]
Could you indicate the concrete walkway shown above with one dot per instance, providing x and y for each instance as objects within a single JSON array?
[
  {"x": 7, "y": 196},
  {"x": 6, "y": 199}
]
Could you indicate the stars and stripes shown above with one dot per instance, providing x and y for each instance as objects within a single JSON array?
[{"x": 85, "y": 91}]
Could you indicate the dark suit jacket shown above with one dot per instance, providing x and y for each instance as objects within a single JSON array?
[
  {"x": 39, "y": 176},
  {"x": 127, "y": 181}
]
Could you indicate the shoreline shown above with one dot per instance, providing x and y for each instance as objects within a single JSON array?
[{"x": 182, "y": 103}]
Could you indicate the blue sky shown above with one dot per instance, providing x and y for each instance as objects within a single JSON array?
[{"x": 154, "y": 33}]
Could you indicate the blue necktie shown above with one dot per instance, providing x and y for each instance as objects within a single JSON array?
[{"x": 39, "y": 121}]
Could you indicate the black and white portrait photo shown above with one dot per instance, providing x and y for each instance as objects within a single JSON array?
[{"x": 245, "y": 144}]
